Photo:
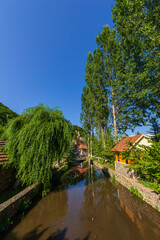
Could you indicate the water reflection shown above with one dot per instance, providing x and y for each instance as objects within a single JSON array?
[
  {"x": 114, "y": 212},
  {"x": 88, "y": 206},
  {"x": 40, "y": 220}
]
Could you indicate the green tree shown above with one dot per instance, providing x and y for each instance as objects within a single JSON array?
[
  {"x": 87, "y": 99},
  {"x": 137, "y": 23},
  {"x": 146, "y": 161},
  {"x": 87, "y": 117},
  {"x": 75, "y": 130},
  {"x": 36, "y": 139},
  {"x": 100, "y": 97},
  {"x": 95, "y": 111},
  {"x": 123, "y": 111},
  {"x": 155, "y": 129},
  {"x": 6, "y": 114}
]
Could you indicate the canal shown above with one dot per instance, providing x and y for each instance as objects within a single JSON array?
[{"x": 88, "y": 206}]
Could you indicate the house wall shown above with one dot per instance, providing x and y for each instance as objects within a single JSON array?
[
  {"x": 144, "y": 141},
  {"x": 118, "y": 158}
]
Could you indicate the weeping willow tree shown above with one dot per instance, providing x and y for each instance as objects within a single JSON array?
[{"x": 36, "y": 139}]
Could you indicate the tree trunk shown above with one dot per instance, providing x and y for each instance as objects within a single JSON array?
[
  {"x": 114, "y": 117},
  {"x": 98, "y": 138},
  {"x": 91, "y": 138},
  {"x": 103, "y": 136},
  {"x": 88, "y": 146}
]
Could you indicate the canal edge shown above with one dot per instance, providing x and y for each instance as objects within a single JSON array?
[{"x": 149, "y": 195}]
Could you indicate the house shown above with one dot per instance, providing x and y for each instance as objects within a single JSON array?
[
  {"x": 81, "y": 148},
  {"x": 3, "y": 156},
  {"x": 123, "y": 145},
  {"x": 126, "y": 144}
]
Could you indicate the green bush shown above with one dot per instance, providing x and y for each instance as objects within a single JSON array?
[
  {"x": 153, "y": 185},
  {"x": 146, "y": 161}
]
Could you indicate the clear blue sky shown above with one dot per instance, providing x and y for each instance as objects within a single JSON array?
[{"x": 43, "y": 50}]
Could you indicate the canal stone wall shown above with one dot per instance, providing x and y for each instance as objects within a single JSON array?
[
  {"x": 13, "y": 205},
  {"x": 149, "y": 195},
  {"x": 125, "y": 170},
  {"x": 7, "y": 178}
]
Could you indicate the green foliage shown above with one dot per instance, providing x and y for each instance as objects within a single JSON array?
[
  {"x": 64, "y": 168},
  {"x": 5, "y": 115},
  {"x": 76, "y": 129},
  {"x": 157, "y": 208},
  {"x": 135, "y": 191},
  {"x": 104, "y": 152},
  {"x": 113, "y": 177},
  {"x": 25, "y": 205},
  {"x": 137, "y": 23},
  {"x": 36, "y": 139},
  {"x": 146, "y": 161},
  {"x": 155, "y": 129},
  {"x": 153, "y": 185},
  {"x": 4, "y": 225},
  {"x": 122, "y": 74},
  {"x": 1, "y": 131},
  {"x": 72, "y": 155}
]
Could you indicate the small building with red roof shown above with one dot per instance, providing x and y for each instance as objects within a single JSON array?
[
  {"x": 127, "y": 143},
  {"x": 81, "y": 147},
  {"x": 3, "y": 156}
]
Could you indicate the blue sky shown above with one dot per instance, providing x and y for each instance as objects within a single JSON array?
[{"x": 43, "y": 50}]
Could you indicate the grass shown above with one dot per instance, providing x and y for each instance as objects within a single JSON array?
[
  {"x": 114, "y": 180},
  {"x": 157, "y": 208},
  {"x": 106, "y": 164},
  {"x": 135, "y": 191}
]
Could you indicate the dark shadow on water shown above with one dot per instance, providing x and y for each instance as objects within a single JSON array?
[
  {"x": 61, "y": 235},
  {"x": 33, "y": 235}
]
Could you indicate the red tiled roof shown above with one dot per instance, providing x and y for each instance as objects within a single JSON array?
[
  {"x": 81, "y": 145},
  {"x": 81, "y": 171},
  {"x": 123, "y": 144},
  {"x": 3, "y": 156}
]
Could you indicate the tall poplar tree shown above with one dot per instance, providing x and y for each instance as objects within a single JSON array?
[
  {"x": 100, "y": 106},
  {"x": 138, "y": 27},
  {"x": 123, "y": 111}
]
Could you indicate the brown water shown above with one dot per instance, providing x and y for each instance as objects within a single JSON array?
[{"x": 89, "y": 207}]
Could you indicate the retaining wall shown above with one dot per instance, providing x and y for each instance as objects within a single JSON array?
[
  {"x": 149, "y": 195},
  {"x": 12, "y": 206},
  {"x": 125, "y": 170}
]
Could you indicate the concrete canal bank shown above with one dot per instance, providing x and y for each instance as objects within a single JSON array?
[
  {"x": 9, "y": 208},
  {"x": 149, "y": 195}
]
